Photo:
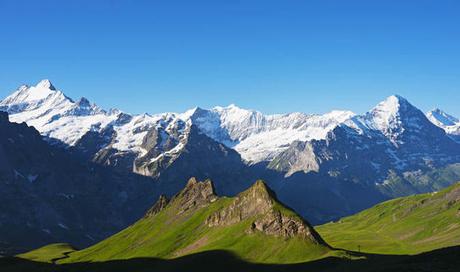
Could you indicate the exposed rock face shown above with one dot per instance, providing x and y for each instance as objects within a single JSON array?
[
  {"x": 163, "y": 146},
  {"x": 298, "y": 157},
  {"x": 454, "y": 195},
  {"x": 259, "y": 203},
  {"x": 195, "y": 195},
  {"x": 161, "y": 203},
  {"x": 277, "y": 224}
]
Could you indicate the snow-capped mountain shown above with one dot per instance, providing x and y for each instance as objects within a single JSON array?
[
  {"x": 255, "y": 136},
  {"x": 393, "y": 136},
  {"x": 445, "y": 121},
  {"x": 258, "y": 137},
  {"x": 53, "y": 114}
]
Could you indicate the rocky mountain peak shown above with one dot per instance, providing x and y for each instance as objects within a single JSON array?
[
  {"x": 84, "y": 102},
  {"x": 195, "y": 195},
  {"x": 260, "y": 208},
  {"x": 160, "y": 205},
  {"x": 260, "y": 192}
]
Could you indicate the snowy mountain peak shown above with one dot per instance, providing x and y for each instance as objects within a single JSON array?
[
  {"x": 441, "y": 118},
  {"x": 386, "y": 115},
  {"x": 45, "y": 84},
  {"x": 26, "y": 96},
  {"x": 391, "y": 109},
  {"x": 392, "y": 117},
  {"x": 449, "y": 123},
  {"x": 391, "y": 105}
]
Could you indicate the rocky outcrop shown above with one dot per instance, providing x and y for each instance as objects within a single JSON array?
[
  {"x": 195, "y": 195},
  {"x": 160, "y": 205},
  {"x": 268, "y": 216},
  {"x": 278, "y": 224}
]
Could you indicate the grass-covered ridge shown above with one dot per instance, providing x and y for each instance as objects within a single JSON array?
[
  {"x": 181, "y": 229},
  {"x": 406, "y": 225}
]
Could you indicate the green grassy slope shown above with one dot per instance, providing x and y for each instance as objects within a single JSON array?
[
  {"x": 405, "y": 225},
  {"x": 48, "y": 253},
  {"x": 171, "y": 234}
]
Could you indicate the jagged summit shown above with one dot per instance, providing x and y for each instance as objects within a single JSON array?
[
  {"x": 195, "y": 195},
  {"x": 34, "y": 94},
  {"x": 46, "y": 84},
  {"x": 83, "y": 102}
]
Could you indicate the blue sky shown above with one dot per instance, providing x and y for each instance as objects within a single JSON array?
[{"x": 273, "y": 56}]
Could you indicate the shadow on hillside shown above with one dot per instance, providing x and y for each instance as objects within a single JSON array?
[{"x": 446, "y": 259}]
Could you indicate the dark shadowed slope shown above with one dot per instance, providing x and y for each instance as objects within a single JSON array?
[
  {"x": 445, "y": 260},
  {"x": 50, "y": 196}
]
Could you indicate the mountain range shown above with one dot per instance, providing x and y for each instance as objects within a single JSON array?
[
  {"x": 152, "y": 142},
  {"x": 322, "y": 166}
]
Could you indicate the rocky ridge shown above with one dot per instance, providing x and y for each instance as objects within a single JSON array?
[{"x": 258, "y": 204}]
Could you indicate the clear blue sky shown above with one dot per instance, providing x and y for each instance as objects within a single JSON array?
[{"x": 273, "y": 56}]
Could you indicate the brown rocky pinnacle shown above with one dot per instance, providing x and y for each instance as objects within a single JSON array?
[
  {"x": 195, "y": 195},
  {"x": 258, "y": 203}
]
